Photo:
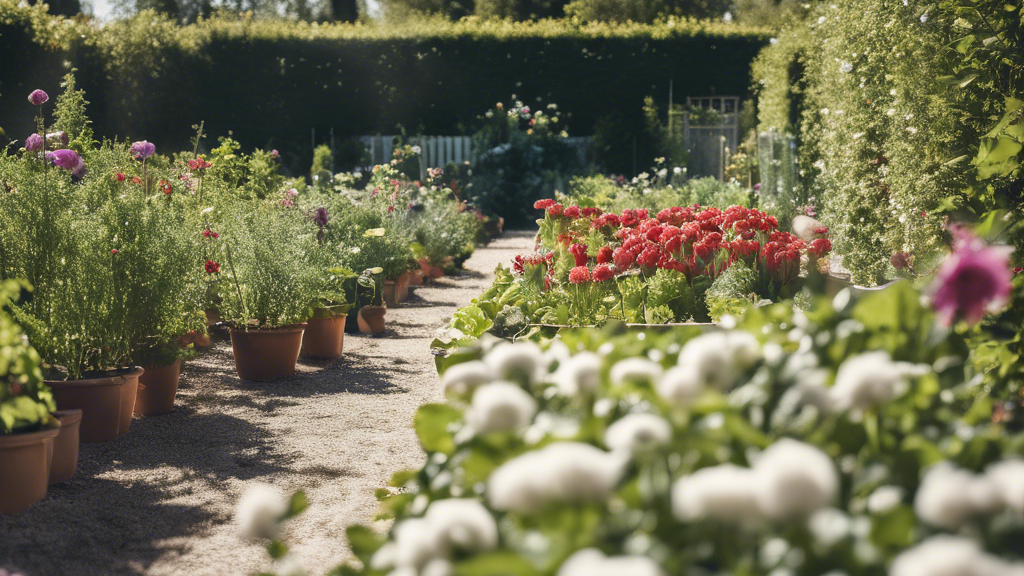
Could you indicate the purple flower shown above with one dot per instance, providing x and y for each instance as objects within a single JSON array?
[
  {"x": 975, "y": 278},
  {"x": 66, "y": 159},
  {"x": 59, "y": 138},
  {"x": 143, "y": 149},
  {"x": 34, "y": 143},
  {"x": 320, "y": 217},
  {"x": 38, "y": 97}
]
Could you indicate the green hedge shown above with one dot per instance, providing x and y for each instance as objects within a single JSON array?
[
  {"x": 889, "y": 102},
  {"x": 271, "y": 82}
]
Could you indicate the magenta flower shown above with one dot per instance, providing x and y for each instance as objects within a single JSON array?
[
  {"x": 34, "y": 143},
  {"x": 143, "y": 149},
  {"x": 38, "y": 97},
  {"x": 320, "y": 217},
  {"x": 68, "y": 160},
  {"x": 974, "y": 279}
]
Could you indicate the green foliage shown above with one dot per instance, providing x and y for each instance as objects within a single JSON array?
[
  {"x": 323, "y": 161},
  {"x": 69, "y": 114},
  {"x": 732, "y": 292},
  {"x": 150, "y": 78},
  {"x": 25, "y": 401},
  {"x": 265, "y": 282},
  {"x": 644, "y": 10}
]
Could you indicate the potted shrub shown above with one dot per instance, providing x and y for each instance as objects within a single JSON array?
[
  {"x": 27, "y": 429},
  {"x": 372, "y": 311},
  {"x": 56, "y": 230},
  {"x": 267, "y": 292},
  {"x": 325, "y": 330}
]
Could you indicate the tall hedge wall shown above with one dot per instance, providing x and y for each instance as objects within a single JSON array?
[{"x": 272, "y": 82}]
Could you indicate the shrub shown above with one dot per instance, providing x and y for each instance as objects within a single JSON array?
[{"x": 25, "y": 401}]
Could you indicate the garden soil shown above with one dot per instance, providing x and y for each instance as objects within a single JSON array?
[{"x": 160, "y": 500}]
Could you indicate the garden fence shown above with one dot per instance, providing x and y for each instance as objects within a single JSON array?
[{"x": 710, "y": 131}]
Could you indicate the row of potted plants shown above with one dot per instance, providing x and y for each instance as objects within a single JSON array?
[{"x": 131, "y": 256}]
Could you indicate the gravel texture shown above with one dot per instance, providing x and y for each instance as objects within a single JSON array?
[{"x": 160, "y": 500}]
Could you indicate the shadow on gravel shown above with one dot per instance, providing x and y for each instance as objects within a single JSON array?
[
  {"x": 351, "y": 374},
  {"x": 93, "y": 532}
]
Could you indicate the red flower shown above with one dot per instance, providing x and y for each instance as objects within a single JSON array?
[
  {"x": 212, "y": 267},
  {"x": 136, "y": 180},
  {"x": 819, "y": 247},
  {"x": 544, "y": 204},
  {"x": 579, "y": 253},
  {"x": 623, "y": 258},
  {"x": 821, "y": 230},
  {"x": 199, "y": 164},
  {"x": 590, "y": 212},
  {"x": 900, "y": 260},
  {"x": 555, "y": 210},
  {"x": 210, "y": 234},
  {"x": 602, "y": 272},
  {"x": 605, "y": 255},
  {"x": 579, "y": 274},
  {"x": 572, "y": 212},
  {"x": 649, "y": 257},
  {"x": 114, "y": 251},
  {"x": 166, "y": 187},
  {"x": 120, "y": 177}
]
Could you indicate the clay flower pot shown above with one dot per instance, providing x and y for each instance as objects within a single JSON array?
[
  {"x": 106, "y": 403},
  {"x": 158, "y": 386},
  {"x": 390, "y": 292},
  {"x": 24, "y": 468},
  {"x": 402, "y": 285},
  {"x": 371, "y": 319},
  {"x": 324, "y": 338},
  {"x": 416, "y": 278},
  {"x": 266, "y": 354},
  {"x": 65, "y": 446}
]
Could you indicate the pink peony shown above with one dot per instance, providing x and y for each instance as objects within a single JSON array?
[{"x": 975, "y": 278}]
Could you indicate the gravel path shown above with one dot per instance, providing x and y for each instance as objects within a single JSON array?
[{"x": 160, "y": 500}]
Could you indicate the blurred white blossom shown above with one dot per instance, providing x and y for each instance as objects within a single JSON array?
[
  {"x": 522, "y": 360},
  {"x": 725, "y": 492},
  {"x": 634, "y": 370},
  {"x": 870, "y": 379},
  {"x": 794, "y": 479},
  {"x": 592, "y": 562},
  {"x": 259, "y": 511},
  {"x": 460, "y": 379},
  {"x": 500, "y": 406},
  {"x": 580, "y": 374},
  {"x": 638, "y": 433}
]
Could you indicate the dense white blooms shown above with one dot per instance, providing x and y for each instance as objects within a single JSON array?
[
  {"x": 418, "y": 543},
  {"x": 870, "y": 379},
  {"x": 725, "y": 492},
  {"x": 635, "y": 369},
  {"x": 794, "y": 479},
  {"x": 948, "y": 497},
  {"x": 829, "y": 526},
  {"x": 580, "y": 374},
  {"x": 719, "y": 358},
  {"x": 950, "y": 556},
  {"x": 463, "y": 524},
  {"x": 385, "y": 557},
  {"x": 681, "y": 385},
  {"x": 259, "y": 510},
  {"x": 592, "y": 562},
  {"x": 438, "y": 567},
  {"x": 884, "y": 498},
  {"x": 499, "y": 407},
  {"x": 638, "y": 433},
  {"x": 462, "y": 378},
  {"x": 1008, "y": 479},
  {"x": 559, "y": 472},
  {"x": 516, "y": 361}
]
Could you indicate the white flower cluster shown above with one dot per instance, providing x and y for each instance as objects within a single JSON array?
[
  {"x": 871, "y": 379},
  {"x": 592, "y": 562},
  {"x": 949, "y": 497},
  {"x": 951, "y": 556},
  {"x": 715, "y": 360},
  {"x": 500, "y": 407},
  {"x": 424, "y": 546},
  {"x": 559, "y": 472},
  {"x": 790, "y": 479},
  {"x": 637, "y": 433},
  {"x": 259, "y": 510}
]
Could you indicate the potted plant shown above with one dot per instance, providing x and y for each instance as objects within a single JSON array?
[
  {"x": 325, "y": 330},
  {"x": 27, "y": 429},
  {"x": 56, "y": 229},
  {"x": 371, "y": 314},
  {"x": 267, "y": 294}
]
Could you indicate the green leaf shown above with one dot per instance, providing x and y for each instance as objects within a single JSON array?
[
  {"x": 363, "y": 541},
  {"x": 297, "y": 505},
  {"x": 431, "y": 425},
  {"x": 894, "y": 528},
  {"x": 277, "y": 549},
  {"x": 496, "y": 564}
]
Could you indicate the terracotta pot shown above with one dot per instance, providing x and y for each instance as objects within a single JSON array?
[
  {"x": 371, "y": 319},
  {"x": 24, "y": 468},
  {"x": 65, "y": 446},
  {"x": 324, "y": 338},
  {"x": 106, "y": 403},
  {"x": 266, "y": 354},
  {"x": 390, "y": 292},
  {"x": 403, "y": 286},
  {"x": 416, "y": 277},
  {"x": 158, "y": 386}
]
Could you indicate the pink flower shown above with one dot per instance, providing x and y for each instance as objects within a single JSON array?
[
  {"x": 38, "y": 97},
  {"x": 975, "y": 278},
  {"x": 34, "y": 143},
  {"x": 602, "y": 272},
  {"x": 579, "y": 275}
]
